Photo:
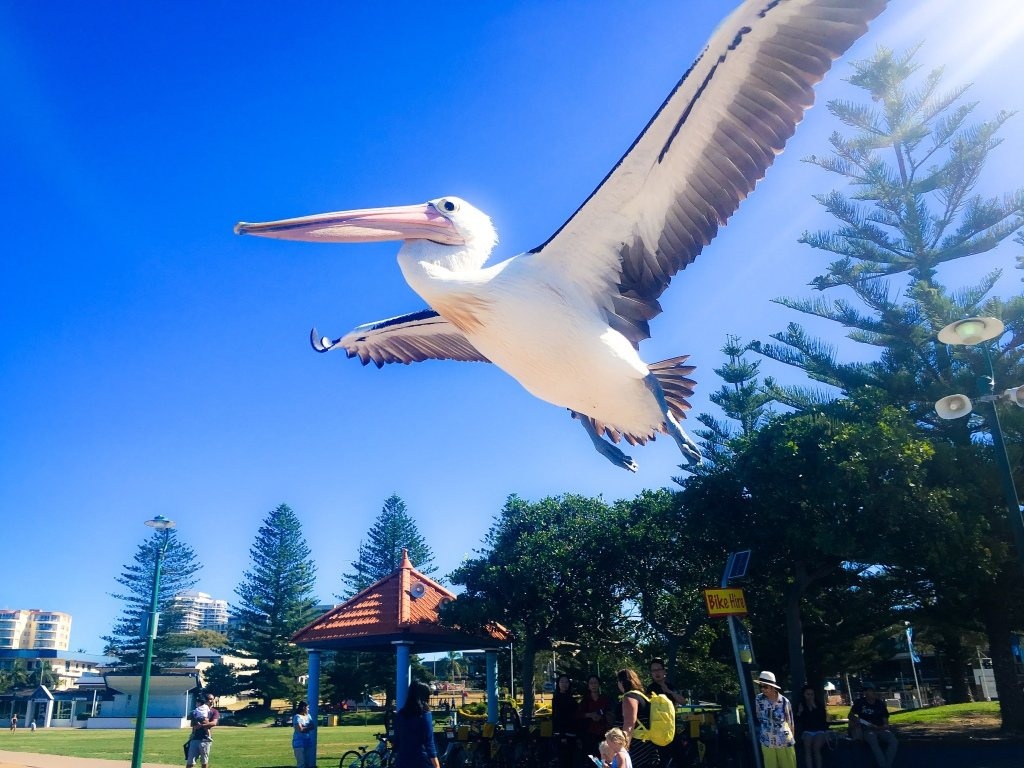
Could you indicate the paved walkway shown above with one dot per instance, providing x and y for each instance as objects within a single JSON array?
[{"x": 36, "y": 760}]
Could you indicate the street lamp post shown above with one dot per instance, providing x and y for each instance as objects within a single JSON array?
[
  {"x": 969, "y": 332},
  {"x": 161, "y": 523}
]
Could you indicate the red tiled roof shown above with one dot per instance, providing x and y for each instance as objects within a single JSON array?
[{"x": 402, "y": 606}]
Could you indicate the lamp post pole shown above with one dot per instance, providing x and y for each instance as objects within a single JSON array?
[
  {"x": 161, "y": 523},
  {"x": 969, "y": 332},
  {"x": 1009, "y": 488}
]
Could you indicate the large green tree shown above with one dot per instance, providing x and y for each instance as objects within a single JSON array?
[
  {"x": 378, "y": 556},
  {"x": 663, "y": 580},
  {"x": 549, "y": 572},
  {"x": 275, "y": 599},
  {"x": 178, "y": 572},
  {"x": 914, "y": 157},
  {"x": 812, "y": 494}
]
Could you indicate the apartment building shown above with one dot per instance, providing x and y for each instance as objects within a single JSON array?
[
  {"x": 200, "y": 611},
  {"x": 33, "y": 629}
]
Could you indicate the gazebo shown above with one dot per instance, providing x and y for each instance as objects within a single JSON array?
[{"x": 400, "y": 611}]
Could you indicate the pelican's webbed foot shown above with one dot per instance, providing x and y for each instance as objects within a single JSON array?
[
  {"x": 606, "y": 449},
  {"x": 689, "y": 449}
]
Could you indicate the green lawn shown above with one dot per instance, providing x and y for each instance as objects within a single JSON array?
[
  {"x": 232, "y": 747},
  {"x": 947, "y": 712}
]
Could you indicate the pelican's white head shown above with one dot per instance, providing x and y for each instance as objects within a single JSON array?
[{"x": 473, "y": 227}]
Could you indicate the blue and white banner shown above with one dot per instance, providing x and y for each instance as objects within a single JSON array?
[{"x": 910, "y": 645}]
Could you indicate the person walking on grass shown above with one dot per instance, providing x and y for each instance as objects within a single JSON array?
[{"x": 302, "y": 737}]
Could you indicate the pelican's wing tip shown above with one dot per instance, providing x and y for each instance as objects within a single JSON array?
[{"x": 321, "y": 343}]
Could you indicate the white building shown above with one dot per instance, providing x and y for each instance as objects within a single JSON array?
[
  {"x": 200, "y": 611},
  {"x": 33, "y": 629},
  {"x": 66, "y": 667}
]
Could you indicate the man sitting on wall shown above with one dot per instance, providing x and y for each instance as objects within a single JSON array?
[{"x": 869, "y": 721}]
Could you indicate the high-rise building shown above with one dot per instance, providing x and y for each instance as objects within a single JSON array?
[
  {"x": 200, "y": 611},
  {"x": 34, "y": 629}
]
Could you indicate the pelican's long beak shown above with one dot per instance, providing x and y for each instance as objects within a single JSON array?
[{"x": 409, "y": 222}]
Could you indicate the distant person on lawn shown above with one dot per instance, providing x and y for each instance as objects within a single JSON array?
[{"x": 201, "y": 741}]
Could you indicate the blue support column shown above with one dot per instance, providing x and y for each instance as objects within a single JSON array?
[
  {"x": 492, "y": 686},
  {"x": 313, "y": 691},
  {"x": 401, "y": 673}
]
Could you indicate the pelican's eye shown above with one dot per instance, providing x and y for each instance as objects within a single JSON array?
[{"x": 447, "y": 205}]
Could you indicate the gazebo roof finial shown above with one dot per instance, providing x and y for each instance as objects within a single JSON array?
[{"x": 406, "y": 562}]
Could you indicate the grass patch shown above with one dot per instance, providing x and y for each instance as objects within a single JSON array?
[
  {"x": 948, "y": 712},
  {"x": 232, "y": 747}
]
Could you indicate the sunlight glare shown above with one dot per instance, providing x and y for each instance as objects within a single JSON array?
[{"x": 965, "y": 44}]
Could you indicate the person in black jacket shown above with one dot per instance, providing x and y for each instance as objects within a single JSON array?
[
  {"x": 811, "y": 726},
  {"x": 564, "y": 722}
]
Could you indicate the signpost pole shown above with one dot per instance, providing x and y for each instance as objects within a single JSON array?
[{"x": 743, "y": 652}]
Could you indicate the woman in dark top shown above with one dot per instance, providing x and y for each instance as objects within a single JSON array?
[
  {"x": 635, "y": 708},
  {"x": 564, "y": 713},
  {"x": 595, "y": 711},
  {"x": 414, "y": 731},
  {"x": 811, "y": 726}
]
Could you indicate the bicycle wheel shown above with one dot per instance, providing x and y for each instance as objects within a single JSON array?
[{"x": 350, "y": 759}]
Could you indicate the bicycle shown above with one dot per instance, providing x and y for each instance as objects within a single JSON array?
[{"x": 381, "y": 756}]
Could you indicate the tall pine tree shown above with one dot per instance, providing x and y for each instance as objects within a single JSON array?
[
  {"x": 276, "y": 600},
  {"x": 914, "y": 160},
  {"x": 126, "y": 641},
  {"x": 393, "y": 531}
]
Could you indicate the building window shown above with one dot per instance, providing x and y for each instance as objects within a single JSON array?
[{"x": 62, "y": 710}]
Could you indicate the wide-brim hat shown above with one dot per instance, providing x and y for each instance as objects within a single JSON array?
[{"x": 768, "y": 678}]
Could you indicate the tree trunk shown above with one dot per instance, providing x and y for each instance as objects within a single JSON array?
[
  {"x": 526, "y": 664},
  {"x": 1011, "y": 698},
  {"x": 795, "y": 626},
  {"x": 795, "y": 637},
  {"x": 957, "y": 663}
]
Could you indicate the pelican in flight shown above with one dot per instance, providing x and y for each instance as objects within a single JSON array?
[{"x": 566, "y": 318}]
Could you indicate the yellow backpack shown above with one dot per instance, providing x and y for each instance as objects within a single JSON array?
[{"x": 662, "y": 729}]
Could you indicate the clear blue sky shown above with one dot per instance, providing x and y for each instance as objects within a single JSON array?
[{"x": 152, "y": 362}]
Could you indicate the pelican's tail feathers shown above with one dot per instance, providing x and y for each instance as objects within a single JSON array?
[{"x": 673, "y": 376}]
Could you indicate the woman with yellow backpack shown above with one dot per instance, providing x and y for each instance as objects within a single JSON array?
[{"x": 636, "y": 716}]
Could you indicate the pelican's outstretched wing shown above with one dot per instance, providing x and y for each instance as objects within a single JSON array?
[
  {"x": 702, "y": 153},
  {"x": 423, "y": 335}
]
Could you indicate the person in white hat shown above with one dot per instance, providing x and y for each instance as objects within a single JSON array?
[{"x": 774, "y": 716}]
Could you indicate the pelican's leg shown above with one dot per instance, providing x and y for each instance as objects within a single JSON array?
[
  {"x": 689, "y": 449},
  {"x": 606, "y": 449}
]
